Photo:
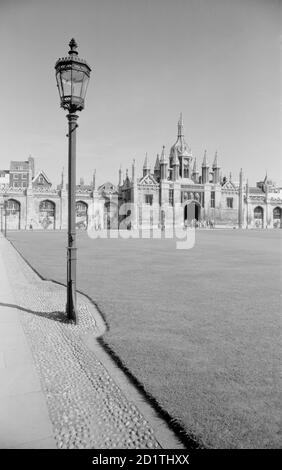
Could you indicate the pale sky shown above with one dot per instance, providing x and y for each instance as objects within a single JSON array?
[{"x": 216, "y": 61}]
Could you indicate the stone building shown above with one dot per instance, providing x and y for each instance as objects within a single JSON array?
[
  {"x": 175, "y": 193},
  {"x": 40, "y": 206}
]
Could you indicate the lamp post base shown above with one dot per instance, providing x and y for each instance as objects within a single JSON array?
[
  {"x": 71, "y": 281},
  {"x": 71, "y": 303}
]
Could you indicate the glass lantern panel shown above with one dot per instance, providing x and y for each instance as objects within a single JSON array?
[
  {"x": 66, "y": 82},
  {"x": 84, "y": 86},
  {"x": 59, "y": 83},
  {"x": 77, "y": 81}
]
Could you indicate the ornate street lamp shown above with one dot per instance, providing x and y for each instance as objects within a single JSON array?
[{"x": 72, "y": 74}]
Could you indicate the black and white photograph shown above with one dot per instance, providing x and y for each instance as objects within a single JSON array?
[{"x": 140, "y": 241}]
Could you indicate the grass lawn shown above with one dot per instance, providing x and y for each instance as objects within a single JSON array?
[{"x": 200, "y": 329}]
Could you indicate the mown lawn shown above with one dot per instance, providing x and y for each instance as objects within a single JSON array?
[{"x": 200, "y": 329}]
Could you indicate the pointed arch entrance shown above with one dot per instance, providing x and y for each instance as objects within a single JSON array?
[
  {"x": 47, "y": 214},
  {"x": 81, "y": 215},
  {"x": 192, "y": 213},
  {"x": 258, "y": 216},
  {"x": 111, "y": 215}
]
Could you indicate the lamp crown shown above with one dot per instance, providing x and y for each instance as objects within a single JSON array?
[{"x": 73, "y": 47}]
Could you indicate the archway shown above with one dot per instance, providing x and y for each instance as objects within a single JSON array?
[
  {"x": 81, "y": 215},
  {"x": 258, "y": 216},
  {"x": 192, "y": 213},
  {"x": 111, "y": 215},
  {"x": 13, "y": 214},
  {"x": 277, "y": 217},
  {"x": 47, "y": 215}
]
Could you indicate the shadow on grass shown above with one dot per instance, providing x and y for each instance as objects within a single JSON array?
[
  {"x": 189, "y": 441},
  {"x": 55, "y": 316}
]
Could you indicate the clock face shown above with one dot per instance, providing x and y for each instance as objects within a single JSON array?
[{"x": 185, "y": 163}]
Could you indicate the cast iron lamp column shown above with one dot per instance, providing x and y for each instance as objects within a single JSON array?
[{"x": 72, "y": 74}]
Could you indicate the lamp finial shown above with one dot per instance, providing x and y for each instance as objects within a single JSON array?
[{"x": 73, "y": 47}]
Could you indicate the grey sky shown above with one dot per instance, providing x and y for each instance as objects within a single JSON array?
[{"x": 217, "y": 61}]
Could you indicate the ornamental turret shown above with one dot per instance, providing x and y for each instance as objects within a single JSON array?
[
  {"x": 163, "y": 164},
  {"x": 182, "y": 152},
  {"x": 195, "y": 172},
  {"x": 175, "y": 167},
  {"x": 133, "y": 174},
  {"x": 205, "y": 169},
  {"x": 157, "y": 169},
  {"x": 146, "y": 167},
  {"x": 216, "y": 170}
]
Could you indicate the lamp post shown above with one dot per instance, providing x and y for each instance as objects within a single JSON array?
[{"x": 72, "y": 75}]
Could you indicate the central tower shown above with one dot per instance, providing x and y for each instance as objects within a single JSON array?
[{"x": 182, "y": 152}]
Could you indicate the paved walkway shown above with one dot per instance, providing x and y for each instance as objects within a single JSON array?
[
  {"x": 58, "y": 388},
  {"x": 24, "y": 417}
]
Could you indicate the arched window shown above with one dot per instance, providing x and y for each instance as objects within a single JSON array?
[{"x": 13, "y": 207}]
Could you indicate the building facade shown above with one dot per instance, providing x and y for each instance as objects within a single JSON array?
[{"x": 175, "y": 193}]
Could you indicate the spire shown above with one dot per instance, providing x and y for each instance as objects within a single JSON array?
[
  {"x": 94, "y": 180},
  {"x": 163, "y": 157},
  {"x": 175, "y": 160},
  {"x": 215, "y": 163},
  {"x": 241, "y": 179},
  {"x": 163, "y": 164},
  {"x": 120, "y": 176},
  {"x": 205, "y": 161},
  {"x": 230, "y": 177},
  {"x": 180, "y": 126},
  {"x": 146, "y": 165},
  {"x": 133, "y": 169},
  {"x": 195, "y": 167},
  {"x": 157, "y": 164}
]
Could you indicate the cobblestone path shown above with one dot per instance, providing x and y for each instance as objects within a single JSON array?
[{"x": 86, "y": 407}]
